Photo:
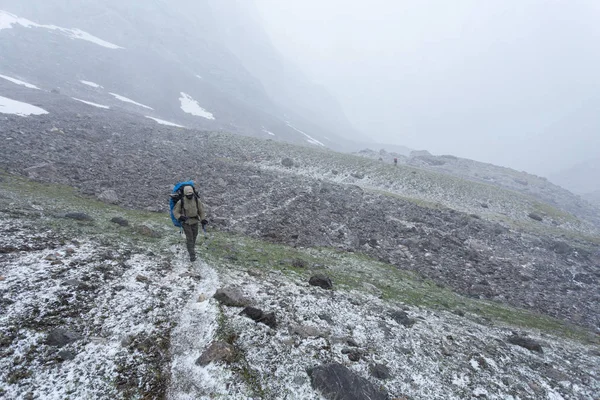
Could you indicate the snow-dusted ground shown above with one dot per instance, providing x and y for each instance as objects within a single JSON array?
[
  {"x": 9, "y": 106},
  {"x": 191, "y": 106},
  {"x": 91, "y": 104},
  {"x": 19, "y": 82},
  {"x": 92, "y": 84},
  {"x": 127, "y": 100},
  {"x": 8, "y": 20},
  {"x": 145, "y": 314},
  {"x": 309, "y": 139},
  {"x": 167, "y": 123}
]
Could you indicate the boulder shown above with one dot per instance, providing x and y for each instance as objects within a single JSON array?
[
  {"x": 120, "y": 221},
  {"x": 231, "y": 297},
  {"x": 79, "y": 216},
  {"x": 535, "y": 217},
  {"x": 145, "y": 230},
  {"x": 402, "y": 318},
  {"x": 259, "y": 316},
  {"x": 525, "y": 342},
  {"x": 109, "y": 196},
  {"x": 380, "y": 371},
  {"x": 336, "y": 382},
  {"x": 60, "y": 337},
  {"x": 287, "y": 162},
  {"x": 320, "y": 280},
  {"x": 217, "y": 351}
]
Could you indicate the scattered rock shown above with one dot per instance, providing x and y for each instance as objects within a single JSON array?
[
  {"x": 202, "y": 298},
  {"x": 335, "y": 172},
  {"x": 76, "y": 284},
  {"x": 320, "y": 280},
  {"x": 287, "y": 162},
  {"x": 535, "y": 216},
  {"x": 217, "y": 351},
  {"x": 79, "y": 216},
  {"x": 380, "y": 371},
  {"x": 327, "y": 318},
  {"x": 299, "y": 263},
  {"x": 358, "y": 175},
  {"x": 60, "y": 337},
  {"x": 120, "y": 221},
  {"x": 306, "y": 331},
  {"x": 336, "y": 382},
  {"x": 584, "y": 278},
  {"x": 259, "y": 316},
  {"x": 145, "y": 230},
  {"x": 109, "y": 196},
  {"x": 525, "y": 342},
  {"x": 231, "y": 297},
  {"x": 402, "y": 318},
  {"x": 65, "y": 355},
  {"x": 561, "y": 248},
  {"x": 142, "y": 278},
  {"x": 484, "y": 205}
]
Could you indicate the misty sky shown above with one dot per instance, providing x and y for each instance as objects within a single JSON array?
[{"x": 513, "y": 82}]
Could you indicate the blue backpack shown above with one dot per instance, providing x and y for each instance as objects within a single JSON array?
[{"x": 176, "y": 195}]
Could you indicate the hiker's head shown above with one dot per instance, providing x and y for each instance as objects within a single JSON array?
[{"x": 188, "y": 192}]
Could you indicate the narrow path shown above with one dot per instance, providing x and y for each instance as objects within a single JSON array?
[{"x": 196, "y": 328}]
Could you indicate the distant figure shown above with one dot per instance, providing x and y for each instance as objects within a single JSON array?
[
  {"x": 396, "y": 161},
  {"x": 190, "y": 213}
]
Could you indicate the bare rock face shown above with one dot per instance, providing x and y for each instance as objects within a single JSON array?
[
  {"x": 217, "y": 351},
  {"x": 336, "y": 382}
]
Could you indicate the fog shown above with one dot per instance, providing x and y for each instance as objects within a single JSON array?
[{"x": 514, "y": 83}]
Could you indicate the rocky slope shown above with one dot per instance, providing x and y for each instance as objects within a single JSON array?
[
  {"x": 489, "y": 174},
  {"x": 414, "y": 219},
  {"x": 99, "y": 302}
]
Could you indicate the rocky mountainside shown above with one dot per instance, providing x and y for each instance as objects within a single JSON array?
[
  {"x": 581, "y": 178},
  {"x": 518, "y": 181},
  {"x": 201, "y": 64},
  {"x": 324, "y": 275},
  {"x": 593, "y": 197}
]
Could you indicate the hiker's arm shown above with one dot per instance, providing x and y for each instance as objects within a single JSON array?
[
  {"x": 201, "y": 210},
  {"x": 177, "y": 210}
]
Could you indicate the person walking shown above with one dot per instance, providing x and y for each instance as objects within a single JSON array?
[{"x": 190, "y": 212}]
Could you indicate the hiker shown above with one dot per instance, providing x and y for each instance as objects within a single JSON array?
[
  {"x": 396, "y": 161},
  {"x": 190, "y": 212}
]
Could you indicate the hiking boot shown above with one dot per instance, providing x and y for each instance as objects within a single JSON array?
[{"x": 193, "y": 257}]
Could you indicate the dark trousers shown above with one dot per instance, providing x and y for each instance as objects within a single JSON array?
[{"x": 191, "y": 233}]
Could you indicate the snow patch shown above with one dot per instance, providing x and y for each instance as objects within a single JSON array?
[
  {"x": 199, "y": 77},
  {"x": 18, "y": 82},
  {"x": 9, "y": 106},
  {"x": 8, "y": 20},
  {"x": 92, "y": 84},
  {"x": 268, "y": 132},
  {"x": 91, "y": 104},
  {"x": 167, "y": 123},
  {"x": 191, "y": 106},
  {"x": 126, "y": 100},
  {"x": 309, "y": 139}
]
